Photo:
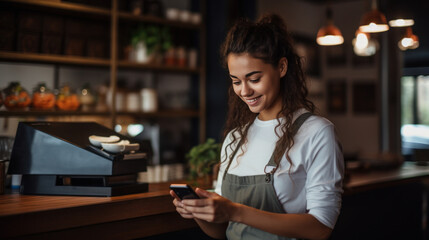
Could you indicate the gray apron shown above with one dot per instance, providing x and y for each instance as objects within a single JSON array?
[{"x": 255, "y": 191}]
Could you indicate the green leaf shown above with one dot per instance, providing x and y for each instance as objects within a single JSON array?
[{"x": 202, "y": 157}]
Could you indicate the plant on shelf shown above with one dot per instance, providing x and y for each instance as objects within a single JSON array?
[
  {"x": 202, "y": 158},
  {"x": 149, "y": 42}
]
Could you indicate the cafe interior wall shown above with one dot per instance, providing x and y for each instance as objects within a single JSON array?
[{"x": 358, "y": 132}]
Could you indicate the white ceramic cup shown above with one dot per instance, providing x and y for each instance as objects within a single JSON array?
[
  {"x": 165, "y": 173},
  {"x": 172, "y": 13},
  {"x": 157, "y": 173},
  {"x": 150, "y": 176},
  {"x": 120, "y": 101},
  {"x": 149, "y": 100},
  {"x": 192, "y": 58},
  {"x": 133, "y": 102},
  {"x": 16, "y": 181},
  {"x": 142, "y": 177},
  {"x": 196, "y": 18},
  {"x": 185, "y": 16}
]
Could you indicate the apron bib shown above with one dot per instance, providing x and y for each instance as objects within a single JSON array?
[{"x": 255, "y": 191}]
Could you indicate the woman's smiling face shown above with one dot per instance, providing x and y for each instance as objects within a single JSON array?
[{"x": 257, "y": 83}]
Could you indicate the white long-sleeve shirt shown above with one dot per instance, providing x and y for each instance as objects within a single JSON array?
[{"x": 314, "y": 182}]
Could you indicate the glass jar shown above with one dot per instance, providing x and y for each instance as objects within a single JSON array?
[
  {"x": 43, "y": 98},
  {"x": 67, "y": 100},
  {"x": 86, "y": 98},
  {"x": 16, "y": 97}
]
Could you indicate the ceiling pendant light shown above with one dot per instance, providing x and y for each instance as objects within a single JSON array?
[
  {"x": 409, "y": 41},
  {"x": 374, "y": 21},
  {"x": 329, "y": 35},
  {"x": 402, "y": 16},
  {"x": 401, "y": 22},
  {"x": 363, "y": 45},
  {"x": 361, "y": 41}
]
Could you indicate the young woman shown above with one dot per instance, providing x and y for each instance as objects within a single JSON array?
[{"x": 282, "y": 167}]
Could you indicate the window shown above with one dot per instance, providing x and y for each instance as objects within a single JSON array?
[
  {"x": 415, "y": 100},
  {"x": 414, "y": 113},
  {"x": 423, "y": 99}
]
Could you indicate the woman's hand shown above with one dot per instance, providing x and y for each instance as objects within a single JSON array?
[
  {"x": 179, "y": 206},
  {"x": 211, "y": 207}
]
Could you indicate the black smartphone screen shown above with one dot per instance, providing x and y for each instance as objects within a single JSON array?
[{"x": 184, "y": 191}]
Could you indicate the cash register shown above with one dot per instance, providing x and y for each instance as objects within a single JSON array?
[{"x": 57, "y": 158}]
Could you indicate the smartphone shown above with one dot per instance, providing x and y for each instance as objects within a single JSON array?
[{"x": 184, "y": 191}]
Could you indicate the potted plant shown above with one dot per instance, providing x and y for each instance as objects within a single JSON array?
[
  {"x": 148, "y": 41},
  {"x": 201, "y": 160}
]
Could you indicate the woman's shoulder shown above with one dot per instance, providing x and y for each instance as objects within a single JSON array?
[
  {"x": 317, "y": 129},
  {"x": 316, "y": 123},
  {"x": 314, "y": 120},
  {"x": 320, "y": 121}
]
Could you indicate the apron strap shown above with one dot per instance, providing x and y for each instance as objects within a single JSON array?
[{"x": 295, "y": 127}]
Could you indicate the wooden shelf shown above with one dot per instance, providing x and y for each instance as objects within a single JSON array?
[
  {"x": 41, "y": 113},
  {"x": 54, "y": 59},
  {"x": 53, "y": 5},
  {"x": 157, "y": 20},
  {"x": 156, "y": 67},
  {"x": 85, "y": 61},
  {"x": 90, "y": 10},
  {"x": 162, "y": 114},
  {"x": 139, "y": 114}
]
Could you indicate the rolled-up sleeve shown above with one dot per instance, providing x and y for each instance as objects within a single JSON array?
[{"x": 325, "y": 171}]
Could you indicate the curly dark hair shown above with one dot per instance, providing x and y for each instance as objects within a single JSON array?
[{"x": 266, "y": 39}]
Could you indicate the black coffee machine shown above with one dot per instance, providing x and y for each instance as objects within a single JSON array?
[{"x": 57, "y": 158}]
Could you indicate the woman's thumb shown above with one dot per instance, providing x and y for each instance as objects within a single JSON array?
[{"x": 203, "y": 193}]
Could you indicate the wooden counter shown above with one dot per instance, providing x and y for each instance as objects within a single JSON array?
[
  {"x": 372, "y": 179},
  {"x": 385, "y": 204},
  {"x": 70, "y": 217},
  {"x": 135, "y": 215}
]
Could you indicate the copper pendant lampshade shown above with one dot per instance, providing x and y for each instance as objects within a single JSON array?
[
  {"x": 401, "y": 22},
  {"x": 409, "y": 41},
  {"x": 374, "y": 21},
  {"x": 401, "y": 16},
  {"x": 329, "y": 35}
]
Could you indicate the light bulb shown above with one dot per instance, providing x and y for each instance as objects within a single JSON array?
[
  {"x": 369, "y": 50},
  {"x": 406, "y": 42},
  {"x": 330, "y": 40},
  {"x": 409, "y": 41},
  {"x": 361, "y": 41}
]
